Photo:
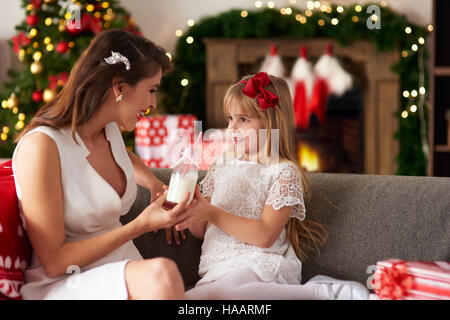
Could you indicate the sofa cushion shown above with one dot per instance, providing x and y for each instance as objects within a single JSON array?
[
  {"x": 15, "y": 248},
  {"x": 373, "y": 217}
]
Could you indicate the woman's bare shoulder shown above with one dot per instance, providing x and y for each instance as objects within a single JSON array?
[
  {"x": 36, "y": 144},
  {"x": 36, "y": 151}
]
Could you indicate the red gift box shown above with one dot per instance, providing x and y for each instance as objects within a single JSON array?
[
  {"x": 416, "y": 280},
  {"x": 159, "y": 141},
  {"x": 157, "y": 138}
]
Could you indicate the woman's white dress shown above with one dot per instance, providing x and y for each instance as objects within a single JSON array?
[
  {"x": 244, "y": 188},
  {"x": 91, "y": 208}
]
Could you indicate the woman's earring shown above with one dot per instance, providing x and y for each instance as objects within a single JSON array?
[{"x": 119, "y": 98}]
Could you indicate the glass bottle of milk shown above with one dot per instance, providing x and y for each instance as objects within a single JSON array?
[{"x": 183, "y": 179}]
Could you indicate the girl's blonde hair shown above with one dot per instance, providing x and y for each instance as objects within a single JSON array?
[{"x": 306, "y": 234}]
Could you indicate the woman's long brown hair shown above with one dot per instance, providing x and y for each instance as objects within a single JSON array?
[
  {"x": 91, "y": 78},
  {"x": 307, "y": 234}
]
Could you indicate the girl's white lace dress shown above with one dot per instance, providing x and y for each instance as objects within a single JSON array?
[{"x": 244, "y": 188}]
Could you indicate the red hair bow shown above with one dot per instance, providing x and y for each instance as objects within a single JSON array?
[{"x": 255, "y": 87}]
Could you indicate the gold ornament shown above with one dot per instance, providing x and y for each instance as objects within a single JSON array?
[
  {"x": 19, "y": 125},
  {"x": 49, "y": 1},
  {"x": 37, "y": 56},
  {"x": 21, "y": 55},
  {"x": 108, "y": 17},
  {"x": 12, "y": 101},
  {"x": 49, "y": 47},
  {"x": 33, "y": 33},
  {"x": 36, "y": 67},
  {"x": 48, "y": 95}
]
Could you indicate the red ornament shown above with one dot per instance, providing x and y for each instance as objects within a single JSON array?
[
  {"x": 37, "y": 96},
  {"x": 36, "y": 4},
  {"x": 32, "y": 19},
  {"x": 58, "y": 80},
  {"x": 20, "y": 41},
  {"x": 62, "y": 47}
]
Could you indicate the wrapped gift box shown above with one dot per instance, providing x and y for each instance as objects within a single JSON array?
[
  {"x": 398, "y": 279},
  {"x": 159, "y": 141},
  {"x": 157, "y": 138}
]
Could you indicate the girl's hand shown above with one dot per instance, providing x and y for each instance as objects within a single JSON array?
[
  {"x": 154, "y": 217},
  {"x": 199, "y": 211},
  {"x": 172, "y": 234}
]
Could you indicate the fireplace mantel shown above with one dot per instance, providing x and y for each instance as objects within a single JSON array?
[{"x": 381, "y": 90}]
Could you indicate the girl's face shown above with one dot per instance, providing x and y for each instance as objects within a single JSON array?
[
  {"x": 137, "y": 100},
  {"x": 243, "y": 130}
]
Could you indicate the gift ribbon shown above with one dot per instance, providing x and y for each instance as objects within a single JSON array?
[
  {"x": 392, "y": 282},
  {"x": 255, "y": 87}
]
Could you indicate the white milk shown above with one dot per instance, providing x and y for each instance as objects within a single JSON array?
[{"x": 179, "y": 186}]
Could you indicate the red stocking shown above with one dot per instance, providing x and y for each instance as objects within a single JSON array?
[
  {"x": 319, "y": 100},
  {"x": 301, "y": 111}
]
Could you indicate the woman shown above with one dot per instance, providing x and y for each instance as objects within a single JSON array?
[{"x": 81, "y": 178}]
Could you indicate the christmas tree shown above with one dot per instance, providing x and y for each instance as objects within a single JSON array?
[{"x": 48, "y": 42}]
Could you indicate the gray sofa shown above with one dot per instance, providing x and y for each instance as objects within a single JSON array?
[{"x": 369, "y": 218}]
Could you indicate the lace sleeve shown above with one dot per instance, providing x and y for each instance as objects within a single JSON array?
[
  {"x": 287, "y": 191},
  {"x": 207, "y": 183}
]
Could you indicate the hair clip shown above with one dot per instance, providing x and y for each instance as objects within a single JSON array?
[{"x": 118, "y": 57}]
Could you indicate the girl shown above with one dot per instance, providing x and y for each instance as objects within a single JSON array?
[
  {"x": 74, "y": 178},
  {"x": 250, "y": 211}
]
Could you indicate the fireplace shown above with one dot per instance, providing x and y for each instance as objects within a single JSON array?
[{"x": 358, "y": 136}]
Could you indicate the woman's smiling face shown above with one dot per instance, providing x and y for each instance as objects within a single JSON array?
[{"x": 137, "y": 100}]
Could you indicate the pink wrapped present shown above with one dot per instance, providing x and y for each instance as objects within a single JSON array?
[{"x": 398, "y": 279}]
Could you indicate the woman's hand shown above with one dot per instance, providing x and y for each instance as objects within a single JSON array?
[
  {"x": 171, "y": 233},
  {"x": 156, "y": 187},
  {"x": 154, "y": 217}
]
